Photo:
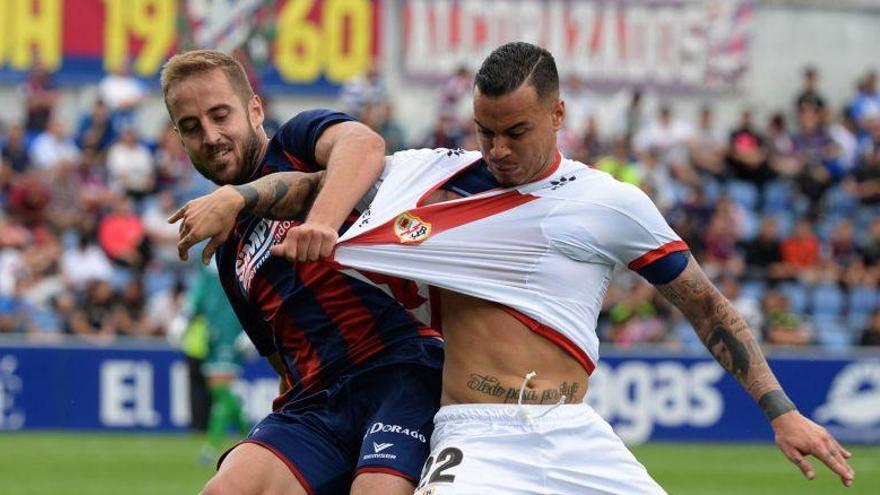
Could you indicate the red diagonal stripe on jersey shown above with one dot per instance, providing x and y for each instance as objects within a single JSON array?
[
  {"x": 447, "y": 215},
  {"x": 296, "y": 345},
  {"x": 655, "y": 254},
  {"x": 355, "y": 321}
]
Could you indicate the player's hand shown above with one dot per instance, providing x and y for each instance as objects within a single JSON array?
[
  {"x": 798, "y": 437},
  {"x": 307, "y": 242},
  {"x": 210, "y": 216}
]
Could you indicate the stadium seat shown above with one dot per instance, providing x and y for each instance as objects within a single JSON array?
[
  {"x": 827, "y": 300},
  {"x": 778, "y": 196},
  {"x": 862, "y": 300},
  {"x": 857, "y": 323},
  {"x": 743, "y": 193},
  {"x": 839, "y": 202},
  {"x": 753, "y": 289},
  {"x": 832, "y": 333},
  {"x": 796, "y": 294}
]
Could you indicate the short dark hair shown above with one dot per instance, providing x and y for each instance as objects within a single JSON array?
[{"x": 513, "y": 64}]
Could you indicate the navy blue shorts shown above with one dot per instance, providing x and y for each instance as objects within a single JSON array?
[{"x": 379, "y": 420}]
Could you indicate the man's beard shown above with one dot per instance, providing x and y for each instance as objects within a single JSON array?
[{"x": 250, "y": 155}]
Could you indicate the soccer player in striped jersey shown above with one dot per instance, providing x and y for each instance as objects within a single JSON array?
[{"x": 361, "y": 375}]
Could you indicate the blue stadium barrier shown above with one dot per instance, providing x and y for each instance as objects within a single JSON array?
[{"x": 656, "y": 396}]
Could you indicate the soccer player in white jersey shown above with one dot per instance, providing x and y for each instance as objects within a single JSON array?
[{"x": 518, "y": 362}]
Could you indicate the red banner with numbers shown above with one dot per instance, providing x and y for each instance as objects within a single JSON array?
[{"x": 298, "y": 44}]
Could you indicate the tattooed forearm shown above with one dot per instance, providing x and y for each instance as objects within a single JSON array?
[
  {"x": 281, "y": 196},
  {"x": 775, "y": 403},
  {"x": 491, "y": 386},
  {"x": 726, "y": 335}
]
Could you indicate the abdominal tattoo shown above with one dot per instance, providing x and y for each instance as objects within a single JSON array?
[{"x": 490, "y": 386}]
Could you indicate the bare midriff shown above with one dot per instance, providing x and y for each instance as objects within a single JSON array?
[{"x": 489, "y": 352}]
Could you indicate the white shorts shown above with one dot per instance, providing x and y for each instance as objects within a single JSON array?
[{"x": 511, "y": 449}]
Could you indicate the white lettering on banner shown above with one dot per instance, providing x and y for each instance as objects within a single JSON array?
[
  {"x": 637, "y": 395},
  {"x": 854, "y": 397},
  {"x": 181, "y": 414},
  {"x": 667, "y": 43},
  {"x": 11, "y": 418},
  {"x": 127, "y": 394}
]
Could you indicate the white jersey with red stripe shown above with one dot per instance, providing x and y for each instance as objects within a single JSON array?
[{"x": 546, "y": 249}]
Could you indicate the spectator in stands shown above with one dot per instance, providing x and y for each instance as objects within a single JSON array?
[
  {"x": 865, "y": 183},
  {"x": 121, "y": 234},
  {"x": 455, "y": 92},
  {"x": 747, "y": 153},
  {"x": 94, "y": 320},
  {"x": 633, "y": 117},
  {"x": 819, "y": 154},
  {"x": 95, "y": 129},
  {"x": 123, "y": 93},
  {"x": 720, "y": 240},
  {"x": 666, "y": 135},
  {"x": 84, "y": 263},
  {"x": 358, "y": 92},
  {"x": 15, "y": 150},
  {"x": 783, "y": 157},
  {"x": 871, "y": 334},
  {"x": 635, "y": 319},
  {"x": 619, "y": 163},
  {"x": 865, "y": 107},
  {"x": 161, "y": 234},
  {"x": 783, "y": 326},
  {"x": 809, "y": 94},
  {"x": 28, "y": 199},
  {"x": 380, "y": 118},
  {"x": 802, "y": 249},
  {"x": 172, "y": 163},
  {"x": 40, "y": 98},
  {"x": 53, "y": 147},
  {"x": 843, "y": 248},
  {"x": 129, "y": 311},
  {"x": 130, "y": 166},
  {"x": 706, "y": 146},
  {"x": 579, "y": 104}
]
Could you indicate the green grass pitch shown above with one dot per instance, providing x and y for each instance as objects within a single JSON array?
[{"x": 98, "y": 464}]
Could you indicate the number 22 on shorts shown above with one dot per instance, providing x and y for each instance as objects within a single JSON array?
[{"x": 435, "y": 470}]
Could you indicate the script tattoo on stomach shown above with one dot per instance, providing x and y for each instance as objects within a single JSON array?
[{"x": 491, "y": 386}]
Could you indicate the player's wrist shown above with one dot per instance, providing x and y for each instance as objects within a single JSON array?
[
  {"x": 235, "y": 196},
  {"x": 775, "y": 403}
]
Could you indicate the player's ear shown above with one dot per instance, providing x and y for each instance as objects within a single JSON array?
[
  {"x": 557, "y": 114},
  {"x": 255, "y": 111}
]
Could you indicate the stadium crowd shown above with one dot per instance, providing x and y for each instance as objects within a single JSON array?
[{"x": 784, "y": 215}]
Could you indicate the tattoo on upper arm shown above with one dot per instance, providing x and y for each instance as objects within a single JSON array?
[{"x": 722, "y": 330}]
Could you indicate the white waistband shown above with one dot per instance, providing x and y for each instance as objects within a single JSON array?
[{"x": 513, "y": 414}]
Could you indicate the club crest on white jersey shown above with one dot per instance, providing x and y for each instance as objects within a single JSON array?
[{"x": 411, "y": 229}]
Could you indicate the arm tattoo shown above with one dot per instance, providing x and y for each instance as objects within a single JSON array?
[
  {"x": 727, "y": 336},
  {"x": 281, "y": 196},
  {"x": 491, "y": 386},
  {"x": 775, "y": 403}
]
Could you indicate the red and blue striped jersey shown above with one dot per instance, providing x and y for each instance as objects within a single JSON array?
[{"x": 324, "y": 323}]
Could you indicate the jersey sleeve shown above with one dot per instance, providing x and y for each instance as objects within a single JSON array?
[
  {"x": 628, "y": 229},
  {"x": 299, "y": 135}
]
